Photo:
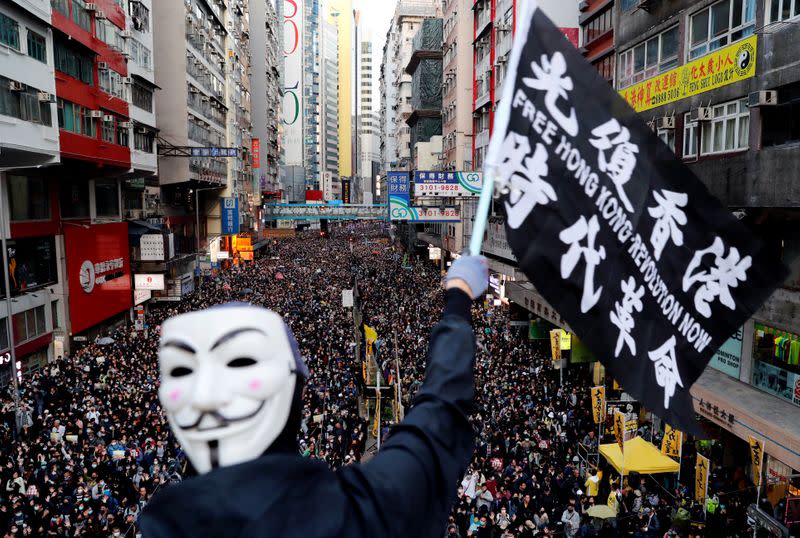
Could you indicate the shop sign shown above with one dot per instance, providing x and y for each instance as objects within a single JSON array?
[
  {"x": 230, "y": 215},
  {"x": 149, "y": 282},
  {"x": 448, "y": 183},
  {"x": 725, "y": 66},
  {"x": 98, "y": 267},
  {"x": 141, "y": 296},
  {"x": 715, "y": 413},
  {"x": 728, "y": 357}
]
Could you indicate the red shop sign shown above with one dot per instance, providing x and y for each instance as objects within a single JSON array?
[{"x": 98, "y": 272}]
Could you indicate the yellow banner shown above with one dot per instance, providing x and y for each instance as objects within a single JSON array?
[
  {"x": 619, "y": 429},
  {"x": 566, "y": 340},
  {"x": 370, "y": 334},
  {"x": 722, "y": 67},
  {"x": 701, "y": 469},
  {"x": 599, "y": 404},
  {"x": 671, "y": 445},
  {"x": 555, "y": 344},
  {"x": 757, "y": 458}
]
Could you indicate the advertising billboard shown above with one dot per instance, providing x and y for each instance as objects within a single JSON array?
[
  {"x": 154, "y": 282},
  {"x": 400, "y": 207},
  {"x": 98, "y": 273},
  {"x": 293, "y": 82},
  {"x": 448, "y": 183}
]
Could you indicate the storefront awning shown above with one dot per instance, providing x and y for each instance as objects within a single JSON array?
[
  {"x": 747, "y": 411},
  {"x": 640, "y": 456}
]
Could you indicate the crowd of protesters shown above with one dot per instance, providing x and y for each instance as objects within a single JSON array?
[{"x": 87, "y": 445}]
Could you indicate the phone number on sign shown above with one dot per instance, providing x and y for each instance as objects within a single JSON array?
[{"x": 435, "y": 187}]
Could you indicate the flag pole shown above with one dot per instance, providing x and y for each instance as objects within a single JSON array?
[{"x": 482, "y": 214}]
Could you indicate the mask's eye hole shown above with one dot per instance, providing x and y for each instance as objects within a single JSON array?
[
  {"x": 241, "y": 362},
  {"x": 181, "y": 371}
]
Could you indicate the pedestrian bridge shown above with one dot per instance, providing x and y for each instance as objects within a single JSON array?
[{"x": 324, "y": 211}]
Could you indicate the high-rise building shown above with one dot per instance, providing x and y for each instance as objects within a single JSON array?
[
  {"x": 267, "y": 61},
  {"x": 395, "y": 82},
  {"x": 457, "y": 85},
  {"x": 311, "y": 93},
  {"x": 341, "y": 11},
  {"x": 367, "y": 118},
  {"x": 425, "y": 68},
  {"x": 329, "y": 103}
]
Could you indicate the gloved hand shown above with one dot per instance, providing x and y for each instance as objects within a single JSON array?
[{"x": 472, "y": 271}]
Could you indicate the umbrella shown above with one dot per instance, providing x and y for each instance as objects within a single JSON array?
[
  {"x": 105, "y": 341},
  {"x": 601, "y": 511}
]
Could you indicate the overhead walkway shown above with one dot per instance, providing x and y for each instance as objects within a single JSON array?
[{"x": 324, "y": 211}]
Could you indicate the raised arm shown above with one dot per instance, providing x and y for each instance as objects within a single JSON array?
[{"x": 409, "y": 487}]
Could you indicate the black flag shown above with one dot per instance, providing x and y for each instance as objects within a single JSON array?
[{"x": 648, "y": 269}]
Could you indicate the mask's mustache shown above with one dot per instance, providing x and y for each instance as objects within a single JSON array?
[{"x": 223, "y": 422}]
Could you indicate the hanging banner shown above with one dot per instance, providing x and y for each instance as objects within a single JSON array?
[
  {"x": 671, "y": 444},
  {"x": 619, "y": 236},
  {"x": 722, "y": 67},
  {"x": 256, "y": 153},
  {"x": 229, "y": 219},
  {"x": 619, "y": 429},
  {"x": 701, "y": 470},
  {"x": 598, "y": 404},
  {"x": 555, "y": 344},
  {"x": 756, "y": 459}
]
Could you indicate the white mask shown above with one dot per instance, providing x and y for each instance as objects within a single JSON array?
[{"x": 228, "y": 376}]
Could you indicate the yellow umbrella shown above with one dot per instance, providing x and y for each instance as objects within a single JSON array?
[{"x": 601, "y": 511}]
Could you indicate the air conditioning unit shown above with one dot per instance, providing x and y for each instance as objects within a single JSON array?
[
  {"x": 667, "y": 122},
  {"x": 192, "y": 89},
  {"x": 90, "y": 6},
  {"x": 46, "y": 97},
  {"x": 502, "y": 27},
  {"x": 108, "y": 118},
  {"x": 703, "y": 113},
  {"x": 125, "y": 125},
  {"x": 502, "y": 59},
  {"x": 15, "y": 86},
  {"x": 127, "y": 80},
  {"x": 102, "y": 65},
  {"x": 98, "y": 14},
  {"x": 95, "y": 113},
  {"x": 763, "y": 98},
  {"x": 125, "y": 34},
  {"x": 141, "y": 130}
]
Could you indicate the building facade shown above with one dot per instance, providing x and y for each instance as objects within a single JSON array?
[
  {"x": 597, "y": 36},
  {"x": 741, "y": 140},
  {"x": 329, "y": 103},
  {"x": 396, "y": 83},
  {"x": 367, "y": 119}
]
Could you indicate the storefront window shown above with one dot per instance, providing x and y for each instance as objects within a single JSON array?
[
  {"x": 28, "y": 198},
  {"x": 75, "y": 199},
  {"x": 31, "y": 263},
  {"x": 775, "y": 363},
  {"x": 4, "y": 345}
]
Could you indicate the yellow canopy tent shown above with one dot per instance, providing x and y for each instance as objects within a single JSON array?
[{"x": 640, "y": 456}]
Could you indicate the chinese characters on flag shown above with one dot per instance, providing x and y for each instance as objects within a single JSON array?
[{"x": 647, "y": 268}]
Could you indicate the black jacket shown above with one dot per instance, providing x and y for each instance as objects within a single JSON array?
[{"x": 407, "y": 490}]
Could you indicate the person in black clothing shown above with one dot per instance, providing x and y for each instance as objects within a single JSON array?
[{"x": 406, "y": 490}]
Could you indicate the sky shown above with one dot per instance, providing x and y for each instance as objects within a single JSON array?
[{"x": 376, "y": 14}]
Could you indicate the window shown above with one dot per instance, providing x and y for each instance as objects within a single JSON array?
[
  {"x": 689, "y": 137},
  {"x": 76, "y": 119},
  {"x": 24, "y": 105},
  {"x": 37, "y": 46},
  {"x": 80, "y": 16},
  {"x": 54, "y": 314},
  {"x": 62, "y": 6},
  {"x": 9, "y": 32},
  {"x": 143, "y": 141},
  {"x": 605, "y": 67},
  {"x": 29, "y": 198},
  {"x": 629, "y": 4},
  {"x": 74, "y": 198},
  {"x": 29, "y": 325},
  {"x": 107, "y": 131},
  {"x": 720, "y": 25},
  {"x": 106, "y": 198},
  {"x": 31, "y": 263},
  {"x": 122, "y": 135},
  {"x": 4, "y": 344},
  {"x": 781, "y": 10},
  {"x": 598, "y": 26},
  {"x": 140, "y": 16},
  {"x": 654, "y": 56},
  {"x": 111, "y": 82},
  {"x": 74, "y": 63},
  {"x": 142, "y": 97},
  {"x": 668, "y": 137},
  {"x": 729, "y": 130}
]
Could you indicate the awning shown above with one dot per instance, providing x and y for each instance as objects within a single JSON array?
[
  {"x": 141, "y": 227},
  {"x": 640, "y": 456}
]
